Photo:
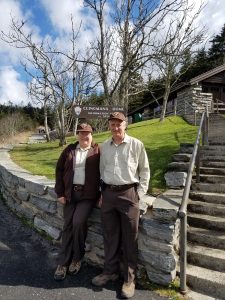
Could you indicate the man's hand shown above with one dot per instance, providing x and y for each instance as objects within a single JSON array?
[{"x": 62, "y": 200}]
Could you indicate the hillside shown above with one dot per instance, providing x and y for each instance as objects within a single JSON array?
[{"x": 161, "y": 142}]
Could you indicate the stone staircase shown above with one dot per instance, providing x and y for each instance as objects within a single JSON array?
[{"x": 206, "y": 219}]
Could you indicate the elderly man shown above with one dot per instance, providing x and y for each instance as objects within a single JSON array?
[{"x": 125, "y": 175}]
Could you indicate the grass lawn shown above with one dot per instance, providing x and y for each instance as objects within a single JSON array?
[{"x": 161, "y": 141}]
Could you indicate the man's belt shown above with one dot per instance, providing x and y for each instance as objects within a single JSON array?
[
  {"x": 78, "y": 187},
  {"x": 122, "y": 187}
]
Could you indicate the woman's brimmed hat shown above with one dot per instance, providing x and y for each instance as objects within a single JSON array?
[{"x": 84, "y": 127}]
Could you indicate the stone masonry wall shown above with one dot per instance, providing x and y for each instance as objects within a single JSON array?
[
  {"x": 195, "y": 99},
  {"x": 33, "y": 197}
]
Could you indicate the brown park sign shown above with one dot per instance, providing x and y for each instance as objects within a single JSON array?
[{"x": 95, "y": 112}]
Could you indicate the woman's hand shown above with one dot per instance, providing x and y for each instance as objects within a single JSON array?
[
  {"x": 99, "y": 202},
  {"x": 62, "y": 200}
]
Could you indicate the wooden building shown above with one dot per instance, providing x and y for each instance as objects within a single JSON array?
[{"x": 207, "y": 89}]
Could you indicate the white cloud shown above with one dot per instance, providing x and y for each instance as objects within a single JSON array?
[
  {"x": 59, "y": 13},
  {"x": 12, "y": 9},
  {"x": 8, "y": 8},
  {"x": 212, "y": 16},
  {"x": 11, "y": 87}
]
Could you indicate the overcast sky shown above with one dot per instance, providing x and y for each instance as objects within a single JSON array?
[{"x": 52, "y": 18}]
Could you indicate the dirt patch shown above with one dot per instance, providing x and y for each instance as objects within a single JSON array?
[{"x": 20, "y": 138}]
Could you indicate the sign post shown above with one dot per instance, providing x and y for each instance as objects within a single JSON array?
[{"x": 95, "y": 112}]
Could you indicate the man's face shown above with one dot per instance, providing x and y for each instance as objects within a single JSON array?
[
  {"x": 85, "y": 138},
  {"x": 117, "y": 128}
]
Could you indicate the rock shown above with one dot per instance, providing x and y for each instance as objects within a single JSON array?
[
  {"x": 50, "y": 230},
  {"x": 160, "y": 277},
  {"x": 44, "y": 204},
  {"x": 175, "y": 179},
  {"x": 164, "y": 262}
]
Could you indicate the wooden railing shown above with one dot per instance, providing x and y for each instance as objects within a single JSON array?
[{"x": 218, "y": 106}]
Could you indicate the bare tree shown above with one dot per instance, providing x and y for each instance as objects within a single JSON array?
[
  {"x": 40, "y": 95},
  {"x": 178, "y": 40},
  {"x": 126, "y": 41},
  {"x": 59, "y": 79}
]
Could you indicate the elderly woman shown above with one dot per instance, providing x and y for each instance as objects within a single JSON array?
[{"x": 77, "y": 188}]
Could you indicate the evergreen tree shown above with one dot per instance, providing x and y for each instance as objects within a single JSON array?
[
  {"x": 216, "y": 53},
  {"x": 197, "y": 65}
]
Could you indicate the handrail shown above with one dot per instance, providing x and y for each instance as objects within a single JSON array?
[{"x": 182, "y": 213}]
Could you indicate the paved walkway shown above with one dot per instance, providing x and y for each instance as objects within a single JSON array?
[{"x": 27, "y": 266}]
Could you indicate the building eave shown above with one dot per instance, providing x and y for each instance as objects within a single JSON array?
[{"x": 207, "y": 74}]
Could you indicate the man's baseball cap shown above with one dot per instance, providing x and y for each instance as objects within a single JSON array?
[
  {"x": 84, "y": 127},
  {"x": 117, "y": 115}
]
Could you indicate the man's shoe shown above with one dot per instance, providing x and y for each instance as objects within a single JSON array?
[
  {"x": 60, "y": 273},
  {"x": 74, "y": 267},
  {"x": 128, "y": 289},
  {"x": 102, "y": 279}
]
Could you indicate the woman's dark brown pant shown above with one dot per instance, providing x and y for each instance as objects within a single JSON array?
[
  {"x": 74, "y": 232},
  {"x": 120, "y": 218}
]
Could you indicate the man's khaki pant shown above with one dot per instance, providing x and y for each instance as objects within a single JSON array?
[{"x": 120, "y": 218}]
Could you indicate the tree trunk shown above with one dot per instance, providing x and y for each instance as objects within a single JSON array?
[
  {"x": 165, "y": 100},
  {"x": 75, "y": 126},
  {"x": 46, "y": 121},
  {"x": 61, "y": 130}
]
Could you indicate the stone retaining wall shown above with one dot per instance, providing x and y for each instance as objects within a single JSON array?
[
  {"x": 193, "y": 99},
  {"x": 33, "y": 197}
]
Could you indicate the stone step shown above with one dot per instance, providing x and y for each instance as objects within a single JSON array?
[
  {"x": 215, "y": 133},
  {"x": 213, "y": 164},
  {"x": 208, "y": 187},
  {"x": 212, "y": 153},
  {"x": 207, "y": 197},
  {"x": 216, "y": 121},
  {"x": 216, "y": 141},
  {"x": 213, "y": 125},
  {"x": 213, "y": 148},
  {"x": 210, "y": 170},
  {"x": 178, "y": 166},
  {"x": 202, "y": 256},
  {"x": 212, "y": 178},
  {"x": 213, "y": 158},
  {"x": 206, "y": 221},
  {"x": 206, "y": 237},
  {"x": 191, "y": 295},
  {"x": 206, "y": 208},
  {"x": 206, "y": 281},
  {"x": 186, "y": 148},
  {"x": 216, "y": 124},
  {"x": 185, "y": 157}
]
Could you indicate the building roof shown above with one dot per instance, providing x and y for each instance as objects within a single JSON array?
[
  {"x": 181, "y": 85},
  {"x": 207, "y": 74},
  {"x": 177, "y": 87}
]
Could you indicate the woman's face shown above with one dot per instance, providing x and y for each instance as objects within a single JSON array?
[{"x": 84, "y": 138}]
